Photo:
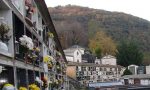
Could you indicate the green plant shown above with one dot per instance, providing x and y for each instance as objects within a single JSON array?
[
  {"x": 127, "y": 72},
  {"x": 4, "y": 29}
]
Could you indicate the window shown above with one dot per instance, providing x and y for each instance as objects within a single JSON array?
[
  {"x": 83, "y": 68},
  {"x": 101, "y": 69},
  {"x": 110, "y": 69},
  {"x": 30, "y": 76},
  {"x": 76, "y": 67},
  {"x": 21, "y": 77},
  {"x": 104, "y": 69},
  {"x": 40, "y": 32},
  {"x": 77, "y": 53}
]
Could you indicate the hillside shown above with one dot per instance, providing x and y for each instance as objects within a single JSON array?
[{"x": 75, "y": 25}]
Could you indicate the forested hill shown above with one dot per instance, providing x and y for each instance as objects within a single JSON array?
[{"x": 75, "y": 25}]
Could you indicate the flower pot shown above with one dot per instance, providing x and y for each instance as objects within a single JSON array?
[{"x": 3, "y": 47}]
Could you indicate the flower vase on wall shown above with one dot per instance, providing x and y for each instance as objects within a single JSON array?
[
  {"x": 3, "y": 47},
  {"x": 4, "y": 29}
]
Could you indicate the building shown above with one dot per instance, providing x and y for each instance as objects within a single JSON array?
[
  {"x": 97, "y": 61},
  {"x": 74, "y": 53},
  {"x": 30, "y": 51},
  {"x": 139, "y": 69},
  {"x": 78, "y": 54},
  {"x": 133, "y": 69},
  {"x": 90, "y": 72},
  {"x": 108, "y": 59},
  {"x": 140, "y": 79}
]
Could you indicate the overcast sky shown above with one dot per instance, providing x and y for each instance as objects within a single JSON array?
[{"x": 140, "y": 8}]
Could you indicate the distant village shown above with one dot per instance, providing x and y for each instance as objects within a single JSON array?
[{"x": 93, "y": 72}]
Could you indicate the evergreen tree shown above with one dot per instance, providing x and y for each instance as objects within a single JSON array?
[
  {"x": 129, "y": 53},
  {"x": 127, "y": 72}
]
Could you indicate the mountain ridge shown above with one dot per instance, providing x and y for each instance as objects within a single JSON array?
[{"x": 76, "y": 25}]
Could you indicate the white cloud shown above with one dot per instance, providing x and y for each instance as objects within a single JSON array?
[{"x": 138, "y": 8}]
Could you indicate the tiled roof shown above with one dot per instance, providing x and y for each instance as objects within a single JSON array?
[
  {"x": 108, "y": 56},
  {"x": 70, "y": 51},
  {"x": 92, "y": 65},
  {"x": 137, "y": 76}
]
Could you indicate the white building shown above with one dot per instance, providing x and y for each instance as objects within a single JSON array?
[
  {"x": 92, "y": 73},
  {"x": 74, "y": 53},
  {"x": 108, "y": 59},
  {"x": 97, "y": 61},
  {"x": 133, "y": 69}
]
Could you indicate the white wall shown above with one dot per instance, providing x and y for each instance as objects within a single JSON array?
[
  {"x": 148, "y": 69},
  {"x": 108, "y": 60},
  {"x": 97, "y": 61},
  {"x": 69, "y": 58},
  {"x": 145, "y": 82},
  {"x": 82, "y": 51},
  {"x": 131, "y": 81},
  {"x": 133, "y": 69},
  {"x": 77, "y": 57}
]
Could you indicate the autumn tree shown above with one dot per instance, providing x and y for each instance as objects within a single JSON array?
[
  {"x": 128, "y": 53},
  {"x": 103, "y": 42}
]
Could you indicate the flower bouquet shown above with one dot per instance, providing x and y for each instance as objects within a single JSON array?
[
  {"x": 22, "y": 88},
  {"x": 36, "y": 50},
  {"x": 37, "y": 79},
  {"x": 34, "y": 54},
  {"x": 26, "y": 42},
  {"x": 50, "y": 35},
  {"x": 50, "y": 65},
  {"x": 8, "y": 86},
  {"x": 26, "y": 46},
  {"x": 55, "y": 84},
  {"x": 33, "y": 87},
  {"x": 47, "y": 59}
]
